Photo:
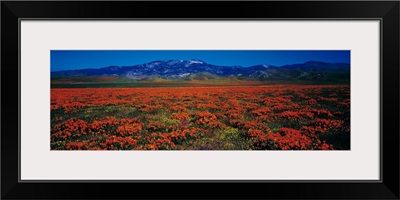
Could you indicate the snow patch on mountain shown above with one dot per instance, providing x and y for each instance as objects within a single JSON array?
[{"x": 191, "y": 62}]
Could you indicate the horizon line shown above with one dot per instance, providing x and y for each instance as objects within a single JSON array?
[{"x": 201, "y": 61}]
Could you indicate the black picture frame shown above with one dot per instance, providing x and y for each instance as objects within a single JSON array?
[{"x": 13, "y": 11}]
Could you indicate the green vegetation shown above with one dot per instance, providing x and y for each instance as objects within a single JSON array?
[{"x": 194, "y": 80}]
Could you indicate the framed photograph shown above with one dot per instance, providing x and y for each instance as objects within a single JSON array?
[{"x": 101, "y": 97}]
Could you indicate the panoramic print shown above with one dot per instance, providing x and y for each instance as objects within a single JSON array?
[{"x": 200, "y": 100}]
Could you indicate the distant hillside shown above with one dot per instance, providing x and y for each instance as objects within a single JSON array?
[
  {"x": 197, "y": 70},
  {"x": 176, "y": 69}
]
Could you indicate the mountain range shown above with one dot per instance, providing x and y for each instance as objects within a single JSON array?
[{"x": 183, "y": 69}]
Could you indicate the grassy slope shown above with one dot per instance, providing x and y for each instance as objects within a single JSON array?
[{"x": 199, "y": 80}]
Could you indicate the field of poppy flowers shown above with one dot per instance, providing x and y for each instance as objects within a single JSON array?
[{"x": 275, "y": 117}]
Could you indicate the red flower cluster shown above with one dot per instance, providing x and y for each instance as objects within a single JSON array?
[{"x": 288, "y": 117}]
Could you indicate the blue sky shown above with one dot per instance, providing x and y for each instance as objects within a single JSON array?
[{"x": 82, "y": 59}]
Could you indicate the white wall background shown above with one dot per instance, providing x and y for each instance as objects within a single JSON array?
[{"x": 39, "y": 37}]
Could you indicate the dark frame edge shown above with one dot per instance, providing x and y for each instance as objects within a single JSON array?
[{"x": 391, "y": 18}]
